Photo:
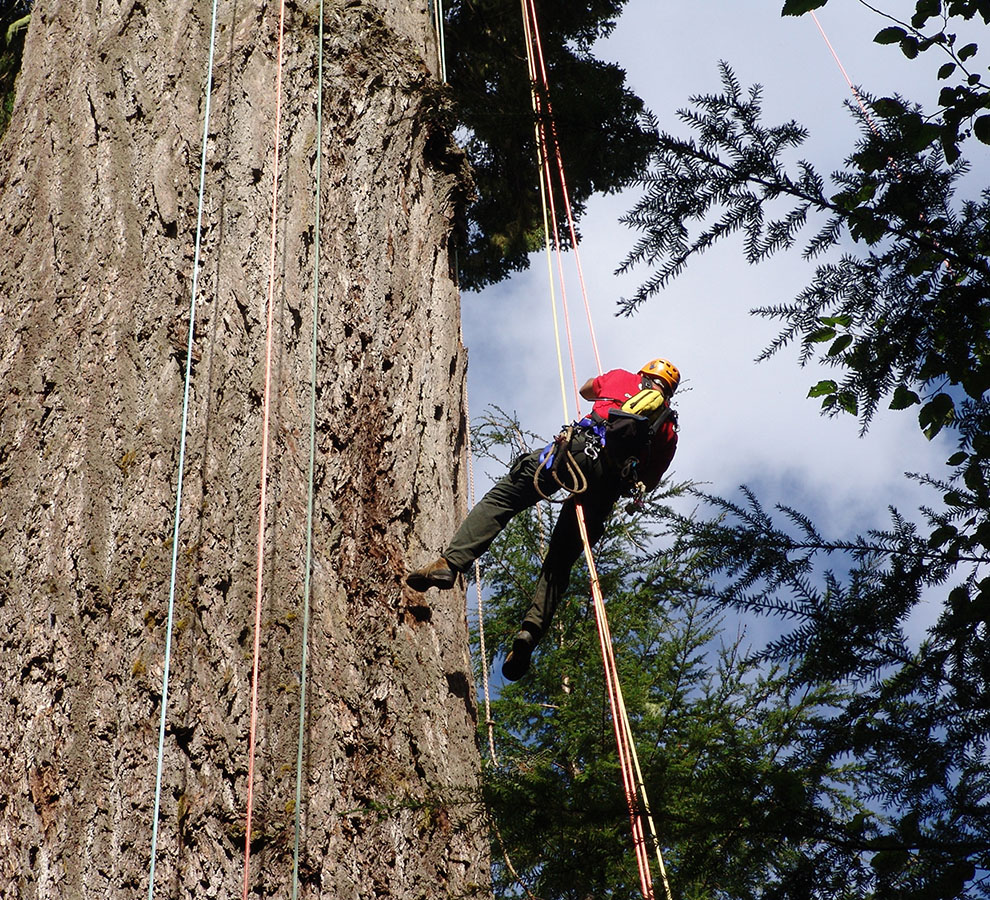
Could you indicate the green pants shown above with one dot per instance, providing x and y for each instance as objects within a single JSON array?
[{"x": 514, "y": 493}]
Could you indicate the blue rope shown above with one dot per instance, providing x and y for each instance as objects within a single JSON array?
[
  {"x": 312, "y": 468},
  {"x": 182, "y": 459}
]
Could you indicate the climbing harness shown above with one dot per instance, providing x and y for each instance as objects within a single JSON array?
[
  {"x": 622, "y": 437},
  {"x": 557, "y": 456}
]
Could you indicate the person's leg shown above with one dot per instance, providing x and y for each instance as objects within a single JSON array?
[
  {"x": 555, "y": 575},
  {"x": 507, "y": 498}
]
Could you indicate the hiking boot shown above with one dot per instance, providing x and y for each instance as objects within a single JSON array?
[
  {"x": 517, "y": 662},
  {"x": 437, "y": 574}
]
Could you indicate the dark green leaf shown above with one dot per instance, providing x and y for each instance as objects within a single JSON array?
[
  {"x": 910, "y": 47},
  {"x": 890, "y": 35},
  {"x": 844, "y": 200},
  {"x": 958, "y": 596},
  {"x": 942, "y": 535},
  {"x": 800, "y": 7},
  {"x": 981, "y": 128},
  {"x": 950, "y": 144},
  {"x": 844, "y": 321},
  {"x": 886, "y": 862},
  {"x": 840, "y": 344},
  {"x": 820, "y": 335},
  {"x": 865, "y": 225},
  {"x": 957, "y": 458},
  {"x": 867, "y": 192},
  {"x": 973, "y": 477},
  {"x": 946, "y": 70},
  {"x": 903, "y": 398},
  {"x": 919, "y": 135},
  {"x": 967, "y": 51},
  {"x": 977, "y": 381},
  {"x": 924, "y": 10},
  {"x": 848, "y": 401},
  {"x": 823, "y": 388},
  {"x": 936, "y": 414},
  {"x": 888, "y": 107}
]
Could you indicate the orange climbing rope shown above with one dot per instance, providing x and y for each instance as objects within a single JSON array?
[
  {"x": 266, "y": 418},
  {"x": 565, "y": 193},
  {"x": 547, "y": 140},
  {"x": 842, "y": 69}
]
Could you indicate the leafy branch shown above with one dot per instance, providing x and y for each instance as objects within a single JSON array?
[{"x": 909, "y": 314}]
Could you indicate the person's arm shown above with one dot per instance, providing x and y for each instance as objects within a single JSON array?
[{"x": 588, "y": 390}]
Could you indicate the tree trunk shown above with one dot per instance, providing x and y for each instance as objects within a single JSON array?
[{"x": 99, "y": 190}]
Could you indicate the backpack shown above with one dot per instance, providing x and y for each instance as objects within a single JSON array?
[{"x": 629, "y": 430}]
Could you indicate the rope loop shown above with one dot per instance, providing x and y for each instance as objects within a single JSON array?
[{"x": 577, "y": 481}]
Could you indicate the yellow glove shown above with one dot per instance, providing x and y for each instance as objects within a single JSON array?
[{"x": 645, "y": 402}]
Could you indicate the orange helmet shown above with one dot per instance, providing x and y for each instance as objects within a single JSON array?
[{"x": 663, "y": 371}]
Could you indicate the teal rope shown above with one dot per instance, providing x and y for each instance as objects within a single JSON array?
[
  {"x": 312, "y": 469},
  {"x": 182, "y": 461}
]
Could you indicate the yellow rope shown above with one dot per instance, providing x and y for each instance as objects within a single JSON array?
[
  {"x": 531, "y": 62},
  {"x": 623, "y": 724}
]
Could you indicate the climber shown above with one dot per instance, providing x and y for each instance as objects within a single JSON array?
[{"x": 623, "y": 447}]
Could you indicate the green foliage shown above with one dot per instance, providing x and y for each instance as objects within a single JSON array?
[
  {"x": 605, "y": 141},
  {"x": 905, "y": 319},
  {"x": 908, "y": 320},
  {"x": 916, "y": 717},
  {"x": 913, "y": 309},
  {"x": 744, "y": 805},
  {"x": 14, "y": 19}
]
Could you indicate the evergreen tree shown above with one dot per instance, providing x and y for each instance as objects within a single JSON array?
[{"x": 604, "y": 138}]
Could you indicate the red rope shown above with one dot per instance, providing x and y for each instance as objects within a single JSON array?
[
  {"x": 546, "y": 177},
  {"x": 266, "y": 417},
  {"x": 560, "y": 264},
  {"x": 842, "y": 69},
  {"x": 623, "y": 736},
  {"x": 538, "y": 47}
]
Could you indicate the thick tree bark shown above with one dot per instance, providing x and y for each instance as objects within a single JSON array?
[{"x": 99, "y": 176}]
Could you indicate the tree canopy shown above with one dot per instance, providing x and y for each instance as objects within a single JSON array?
[
  {"x": 605, "y": 140},
  {"x": 604, "y": 136},
  {"x": 743, "y": 805}
]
